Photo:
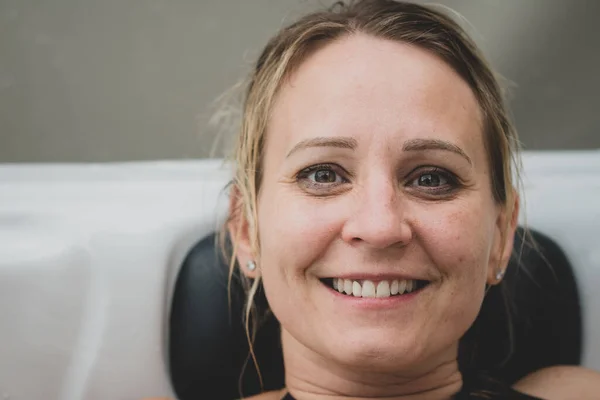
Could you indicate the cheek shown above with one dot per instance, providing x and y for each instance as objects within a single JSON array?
[
  {"x": 458, "y": 238},
  {"x": 294, "y": 234},
  {"x": 296, "y": 230},
  {"x": 458, "y": 241}
]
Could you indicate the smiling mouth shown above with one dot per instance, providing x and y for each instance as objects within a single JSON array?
[{"x": 371, "y": 289}]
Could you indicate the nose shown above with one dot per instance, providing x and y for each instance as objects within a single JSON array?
[{"x": 379, "y": 218}]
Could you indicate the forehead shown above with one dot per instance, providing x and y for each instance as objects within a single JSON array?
[{"x": 363, "y": 86}]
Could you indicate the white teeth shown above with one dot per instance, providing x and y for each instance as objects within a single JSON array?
[
  {"x": 348, "y": 286},
  {"x": 383, "y": 289},
  {"x": 401, "y": 287},
  {"x": 368, "y": 289},
  {"x": 393, "y": 287}
]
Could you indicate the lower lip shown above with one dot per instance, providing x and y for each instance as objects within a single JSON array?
[{"x": 376, "y": 302}]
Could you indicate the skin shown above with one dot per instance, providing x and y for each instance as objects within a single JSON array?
[
  {"x": 403, "y": 191},
  {"x": 379, "y": 101}
]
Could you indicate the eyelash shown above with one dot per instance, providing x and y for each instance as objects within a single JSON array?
[
  {"x": 302, "y": 177},
  {"x": 453, "y": 183}
]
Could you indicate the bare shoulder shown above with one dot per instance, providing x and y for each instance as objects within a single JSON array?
[{"x": 561, "y": 383}]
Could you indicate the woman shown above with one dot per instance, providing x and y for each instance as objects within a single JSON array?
[{"x": 374, "y": 201}]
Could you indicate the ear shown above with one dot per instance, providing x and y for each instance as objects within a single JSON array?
[
  {"x": 506, "y": 226},
  {"x": 239, "y": 231}
]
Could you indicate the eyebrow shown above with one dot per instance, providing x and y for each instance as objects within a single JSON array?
[
  {"x": 338, "y": 142},
  {"x": 351, "y": 144},
  {"x": 434, "y": 144}
]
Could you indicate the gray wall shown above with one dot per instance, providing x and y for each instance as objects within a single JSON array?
[{"x": 106, "y": 80}]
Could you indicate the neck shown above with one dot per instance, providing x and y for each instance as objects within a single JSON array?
[{"x": 312, "y": 377}]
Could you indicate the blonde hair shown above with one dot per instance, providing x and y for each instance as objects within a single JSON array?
[{"x": 418, "y": 25}]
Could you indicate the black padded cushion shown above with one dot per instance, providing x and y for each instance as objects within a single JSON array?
[
  {"x": 537, "y": 305},
  {"x": 208, "y": 348}
]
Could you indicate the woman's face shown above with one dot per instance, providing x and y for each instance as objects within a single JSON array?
[{"x": 376, "y": 181}]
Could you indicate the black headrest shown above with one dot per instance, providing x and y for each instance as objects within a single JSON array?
[{"x": 531, "y": 320}]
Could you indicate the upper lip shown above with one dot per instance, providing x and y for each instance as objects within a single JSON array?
[{"x": 379, "y": 277}]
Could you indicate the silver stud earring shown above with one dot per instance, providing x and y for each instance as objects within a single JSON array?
[
  {"x": 499, "y": 274},
  {"x": 251, "y": 265}
]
